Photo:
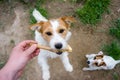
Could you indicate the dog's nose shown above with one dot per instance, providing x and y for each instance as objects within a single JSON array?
[
  {"x": 88, "y": 62},
  {"x": 58, "y": 45}
]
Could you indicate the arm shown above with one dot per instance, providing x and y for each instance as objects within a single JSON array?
[{"x": 18, "y": 59}]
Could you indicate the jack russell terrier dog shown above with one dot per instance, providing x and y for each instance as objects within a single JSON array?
[
  {"x": 100, "y": 61},
  {"x": 53, "y": 33}
]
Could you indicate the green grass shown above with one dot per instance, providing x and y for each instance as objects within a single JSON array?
[
  {"x": 40, "y": 2},
  {"x": 115, "y": 76},
  {"x": 115, "y": 29},
  {"x": 112, "y": 49},
  {"x": 92, "y": 11},
  {"x": 40, "y": 9},
  {"x": 1, "y": 1},
  {"x": 2, "y": 64}
]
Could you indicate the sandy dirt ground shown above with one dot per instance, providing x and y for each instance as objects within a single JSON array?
[{"x": 14, "y": 28}]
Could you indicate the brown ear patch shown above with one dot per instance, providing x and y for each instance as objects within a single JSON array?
[
  {"x": 36, "y": 26},
  {"x": 98, "y": 57},
  {"x": 41, "y": 26},
  {"x": 68, "y": 20},
  {"x": 101, "y": 64}
]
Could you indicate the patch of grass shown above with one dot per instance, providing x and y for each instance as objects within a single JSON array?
[
  {"x": 92, "y": 11},
  {"x": 115, "y": 76},
  {"x": 32, "y": 19},
  {"x": 115, "y": 29},
  {"x": 40, "y": 9},
  {"x": 39, "y": 2},
  {"x": 3, "y": 1},
  {"x": 112, "y": 49},
  {"x": 2, "y": 64}
]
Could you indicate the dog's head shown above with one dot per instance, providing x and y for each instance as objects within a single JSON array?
[
  {"x": 97, "y": 60},
  {"x": 55, "y": 31}
]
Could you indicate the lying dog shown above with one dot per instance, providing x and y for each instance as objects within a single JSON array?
[
  {"x": 100, "y": 61},
  {"x": 53, "y": 33}
]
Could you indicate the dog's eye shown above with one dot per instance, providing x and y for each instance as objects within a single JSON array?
[
  {"x": 49, "y": 33},
  {"x": 96, "y": 64},
  {"x": 61, "y": 30}
]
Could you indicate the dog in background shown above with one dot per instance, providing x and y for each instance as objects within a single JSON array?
[
  {"x": 53, "y": 33},
  {"x": 100, "y": 61}
]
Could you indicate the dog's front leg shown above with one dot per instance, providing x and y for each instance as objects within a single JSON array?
[
  {"x": 45, "y": 68},
  {"x": 86, "y": 69},
  {"x": 90, "y": 69},
  {"x": 65, "y": 60}
]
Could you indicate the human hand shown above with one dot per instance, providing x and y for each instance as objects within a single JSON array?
[{"x": 20, "y": 55}]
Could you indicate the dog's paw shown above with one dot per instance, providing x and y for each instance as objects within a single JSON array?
[
  {"x": 85, "y": 69},
  {"x": 69, "y": 68},
  {"x": 46, "y": 76},
  {"x": 87, "y": 56}
]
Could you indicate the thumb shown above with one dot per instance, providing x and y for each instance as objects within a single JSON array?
[{"x": 31, "y": 49}]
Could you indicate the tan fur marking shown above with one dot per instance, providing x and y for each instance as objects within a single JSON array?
[
  {"x": 47, "y": 37},
  {"x": 62, "y": 23},
  {"x": 67, "y": 20},
  {"x": 35, "y": 26},
  {"x": 98, "y": 57},
  {"x": 62, "y": 26},
  {"x": 64, "y": 33},
  {"x": 102, "y": 64},
  {"x": 44, "y": 26}
]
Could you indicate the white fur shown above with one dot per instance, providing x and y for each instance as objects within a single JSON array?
[
  {"x": 56, "y": 37},
  {"x": 109, "y": 61},
  {"x": 38, "y": 16},
  {"x": 44, "y": 54}
]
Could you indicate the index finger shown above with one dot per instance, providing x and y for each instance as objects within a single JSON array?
[{"x": 26, "y": 42}]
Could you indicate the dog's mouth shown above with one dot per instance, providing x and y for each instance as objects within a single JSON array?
[{"x": 57, "y": 51}]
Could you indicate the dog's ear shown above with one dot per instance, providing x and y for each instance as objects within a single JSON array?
[
  {"x": 102, "y": 64},
  {"x": 37, "y": 26},
  {"x": 98, "y": 57},
  {"x": 68, "y": 20},
  {"x": 98, "y": 65},
  {"x": 95, "y": 63}
]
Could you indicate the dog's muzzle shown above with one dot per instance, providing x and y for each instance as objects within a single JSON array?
[{"x": 58, "y": 46}]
